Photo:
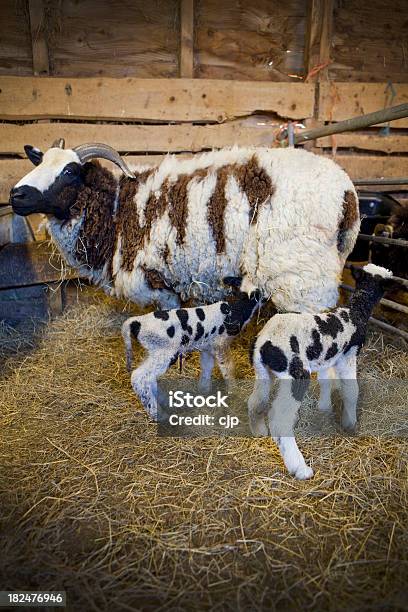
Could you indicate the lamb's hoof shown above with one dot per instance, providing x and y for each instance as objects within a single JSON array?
[
  {"x": 303, "y": 472},
  {"x": 349, "y": 427},
  {"x": 325, "y": 408},
  {"x": 258, "y": 428}
]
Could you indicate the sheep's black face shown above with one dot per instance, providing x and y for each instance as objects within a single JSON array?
[{"x": 51, "y": 188}]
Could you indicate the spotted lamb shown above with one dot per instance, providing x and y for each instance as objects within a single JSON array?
[
  {"x": 292, "y": 346},
  {"x": 167, "y": 334},
  {"x": 285, "y": 218}
]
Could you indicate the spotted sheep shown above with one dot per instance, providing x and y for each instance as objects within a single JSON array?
[
  {"x": 292, "y": 346},
  {"x": 167, "y": 334},
  {"x": 286, "y": 219}
]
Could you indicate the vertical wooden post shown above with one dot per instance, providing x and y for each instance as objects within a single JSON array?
[
  {"x": 318, "y": 37},
  {"x": 186, "y": 38},
  {"x": 317, "y": 51},
  {"x": 41, "y": 64}
]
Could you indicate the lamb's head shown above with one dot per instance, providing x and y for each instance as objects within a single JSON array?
[
  {"x": 374, "y": 280},
  {"x": 51, "y": 187}
]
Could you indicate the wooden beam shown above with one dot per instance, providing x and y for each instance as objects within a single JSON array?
[
  {"x": 340, "y": 101},
  {"x": 41, "y": 64},
  {"x": 150, "y": 99},
  {"x": 187, "y": 39},
  {"x": 30, "y": 264},
  {"x": 392, "y": 143},
  {"x": 255, "y": 131}
]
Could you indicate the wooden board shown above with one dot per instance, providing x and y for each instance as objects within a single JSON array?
[
  {"x": 35, "y": 302},
  {"x": 116, "y": 38},
  {"x": 15, "y": 45},
  {"x": 151, "y": 99},
  {"x": 29, "y": 264},
  {"x": 255, "y": 130},
  {"x": 372, "y": 166},
  {"x": 369, "y": 41},
  {"x": 258, "y": 40},
  {"x": 41, "y": 63},
  {"x": 339, "y": 101},
  {"x": 394, "y": 143},
  {"x": 186, "y": 38}
]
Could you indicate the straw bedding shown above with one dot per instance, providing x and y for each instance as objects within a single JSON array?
[{"x": 94, "y": 502}]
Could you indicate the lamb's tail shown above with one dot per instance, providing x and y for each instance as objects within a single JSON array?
[{"x": 130, "y": 327}]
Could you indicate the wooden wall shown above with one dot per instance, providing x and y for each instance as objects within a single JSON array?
[{"x": 246, "y": 67}]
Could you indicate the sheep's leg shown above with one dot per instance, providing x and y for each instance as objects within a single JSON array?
[
  {"x": 144, "y": 381},
  {"x": 258, "y": 400},
  {"x": 325, "y": 382},
  {"x": 347, "y": 371},
  {"x": 282, "y": 419},
  {"x": 207, "y": 366}
]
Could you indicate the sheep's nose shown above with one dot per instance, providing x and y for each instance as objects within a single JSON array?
[{"x": 18, "y": 194}]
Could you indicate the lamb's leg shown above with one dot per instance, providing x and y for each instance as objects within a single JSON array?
[
  {"x": 325, "y": 382},
  {"x": 282, "y": 419},
  {"x": 259, "y": 399},
  {"x": 224, "y": 360},
  {"x": 207, "y": 366},
  {"x": 347, "y": 371},
  {"x": 144, "y": 380}
]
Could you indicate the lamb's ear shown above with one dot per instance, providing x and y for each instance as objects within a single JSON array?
[
  {"x": 34, "y": 155},
  {"x": 232, "y": 281},
  {"x": 356, "y": 273},
  {"x": 389, "y": 284}
]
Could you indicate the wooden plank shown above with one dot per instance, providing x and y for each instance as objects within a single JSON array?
[
  {"x": 258, "y": 40},
  {"x": 255, "y": 130},
  {"x": 372, "y": 166},
  {"x": 394, "y": 143},
  {"x": 15, "y": 45},
  {"x": 187, "y": 39},
  {"x": 30, "y": 264},
  {"x": 339, "y": 101},
  {"x": 150, "y": 99},
  {"x": 35, "y": 302},
  {"x": 41, "y": 64}
]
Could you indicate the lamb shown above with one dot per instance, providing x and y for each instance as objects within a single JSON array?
[
  {"x": 286, "y": 219},
  {"x": 291, "y": 346},
  {"x": 167, "y": 334}
]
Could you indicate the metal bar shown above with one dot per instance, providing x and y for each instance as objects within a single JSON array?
[
  {"x": 403, "y": 281},
  {"x": 383, "y": 240},
  {"x": 389, "y": 328},
  {"x": 383, "y": 302},
  {"x": 381, "y": 181},
  {"x": 357, "y": 123}
]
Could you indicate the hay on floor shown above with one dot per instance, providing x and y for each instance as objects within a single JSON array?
[{"x": 94, "y": 502}]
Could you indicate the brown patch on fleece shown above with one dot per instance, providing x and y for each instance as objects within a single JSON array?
[
  {"x": 349, "y": 218},
  {"x": 255, "y": 183},
  {"x": 155, "y": 279},
  {"x": 166, "y": 254},
  {"x": 127, "y": 219},
  {"x": 95, "y": 200},
  {"x": 216, "y": 207}
]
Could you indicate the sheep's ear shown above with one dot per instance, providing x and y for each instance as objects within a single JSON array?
[
  {"x": 232, "y": 281},
  {"x": 34, "y": 155},
  {"x": 356, "y": 273},
  {"x": 389, "y": 284}
]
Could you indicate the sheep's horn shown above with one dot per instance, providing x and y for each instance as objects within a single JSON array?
[
  {"x": 59, "y": 143},
  {"x": 93, "y": 150}
]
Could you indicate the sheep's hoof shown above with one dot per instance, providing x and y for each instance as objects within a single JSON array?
[
  {"x": 303, "y": 473},
  {"x": 349, "y": 427},
  {"x": 325, "y": 408}
]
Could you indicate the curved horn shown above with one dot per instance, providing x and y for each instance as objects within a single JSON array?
[
  {"x": 59, "y": 143},
  {"x": 93, "y": 150}
]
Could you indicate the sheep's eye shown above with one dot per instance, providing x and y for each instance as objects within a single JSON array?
[{"x": 68, "y": 172}]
